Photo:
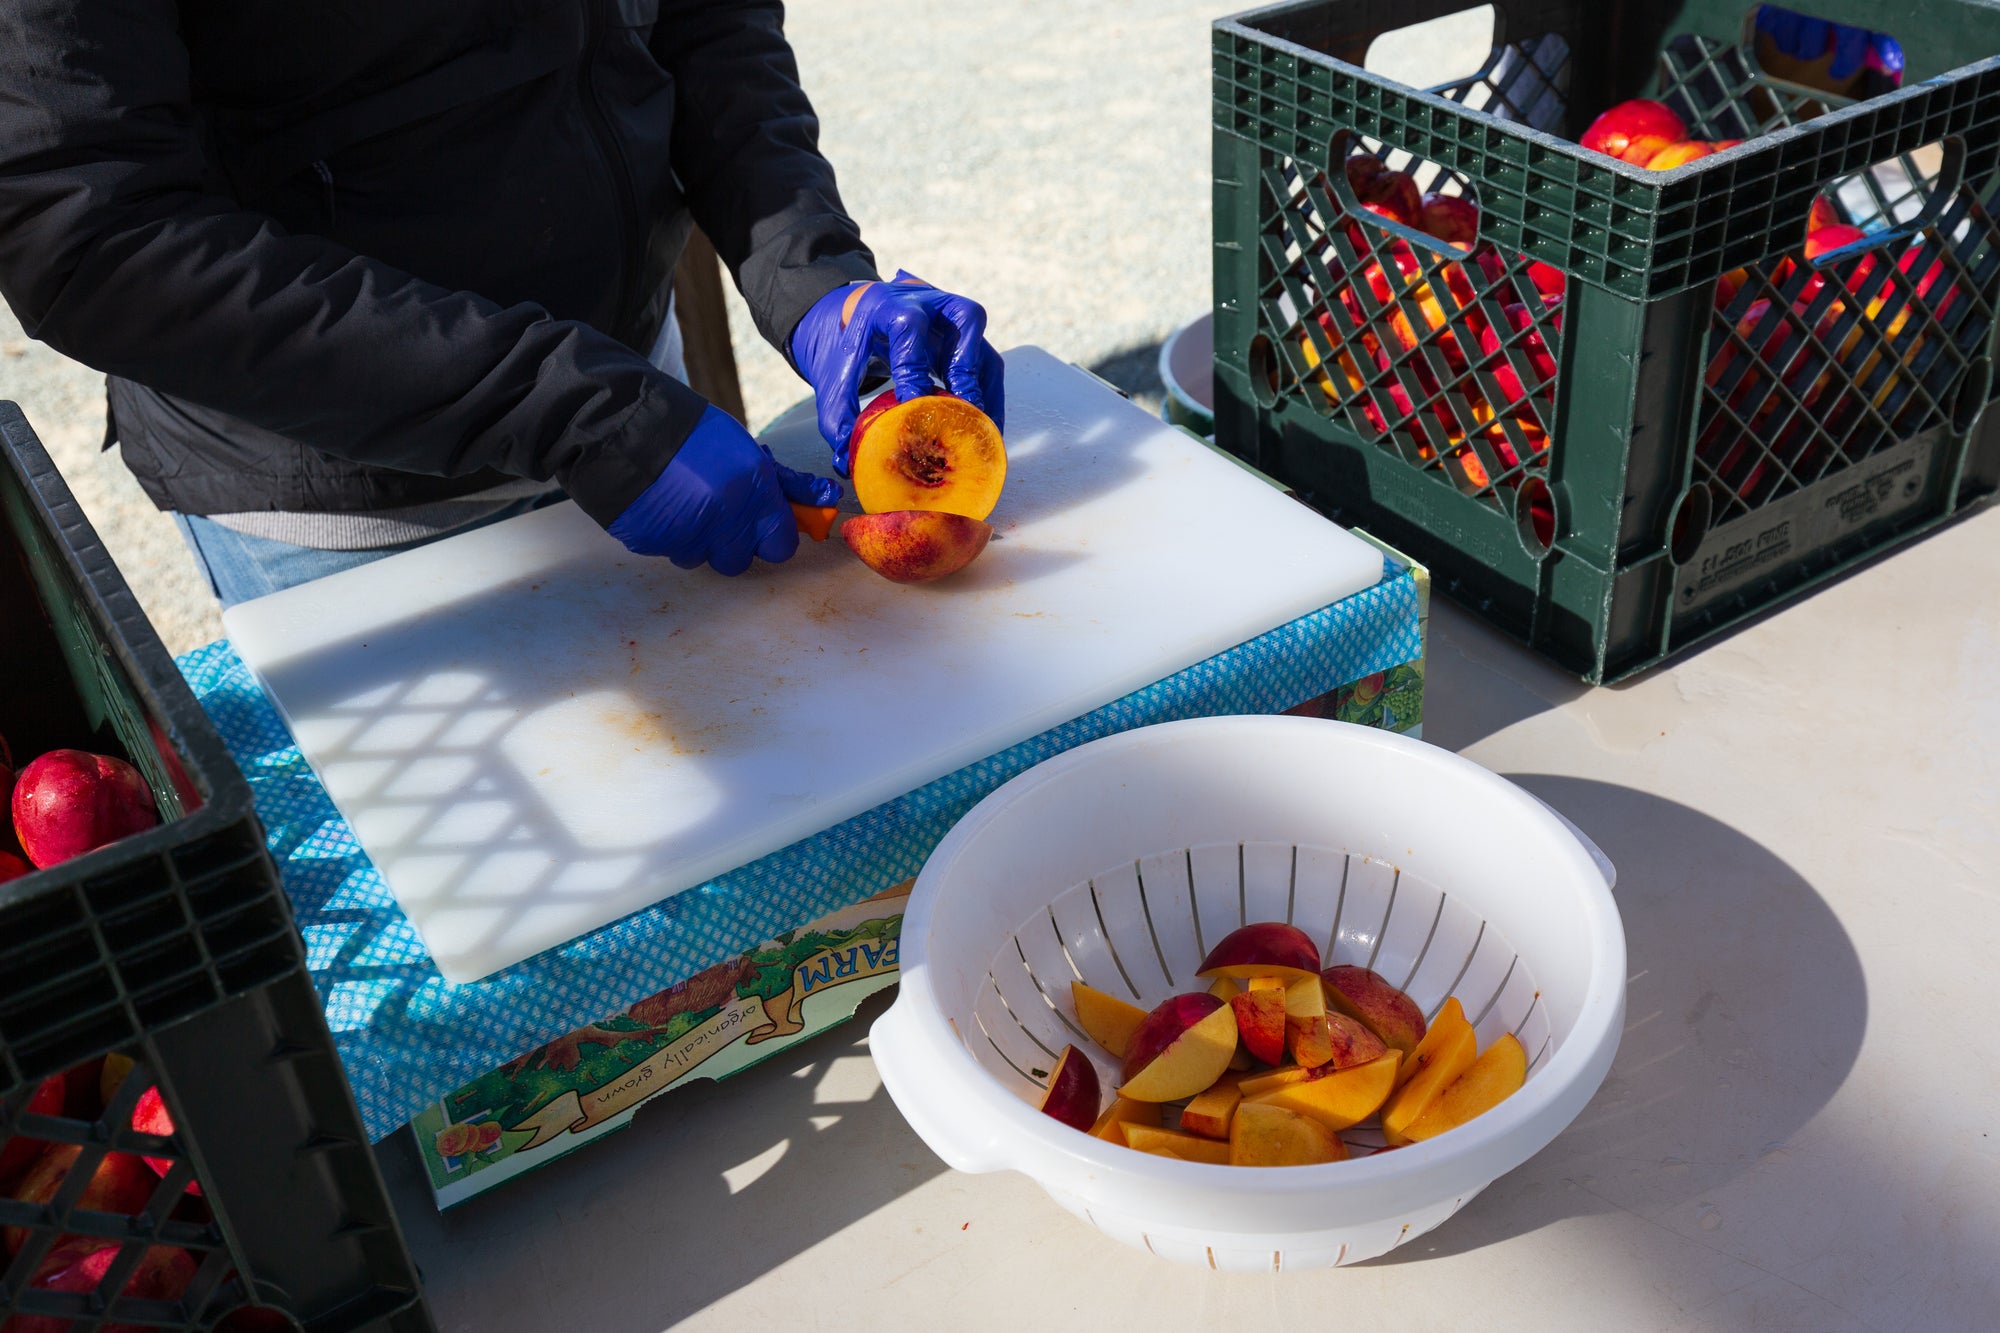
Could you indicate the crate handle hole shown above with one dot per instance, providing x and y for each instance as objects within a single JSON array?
[
  {"x": 1693, "y": 512},
  {"x": 1265, "y": 384},
  {"x": 1970, "y": 394},
  {"x": 1796, "y": 48},
  {"x": 1535, "y": 516},
  {"x": 1438, "y": 52}
]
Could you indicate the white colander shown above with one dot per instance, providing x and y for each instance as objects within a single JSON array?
[{"x": 1122, "y": 861}]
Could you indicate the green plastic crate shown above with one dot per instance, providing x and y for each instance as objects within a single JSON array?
[
  {"x": 175, "y": 948},
  {"x": 1693, "y": 460}
]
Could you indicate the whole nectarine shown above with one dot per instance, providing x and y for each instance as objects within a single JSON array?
[
  {"x": 1633, "y": 131},
  {"x": 69, "y": 802}
]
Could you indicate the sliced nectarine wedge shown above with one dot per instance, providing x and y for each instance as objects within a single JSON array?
[
  {"x": 1183, "y": 1045},
  {"x": 1123, "y": 1111},
  {"x": 1209, "y": 1113},
  {"x": 1366, "y": 995},
  {"x": 1451, "y": 1016},
  {"x": 937, "y": 452},
  {"x": 1173, "y": 1143},
  {"x": 1495, "y": 1076},
  {"x": 1453, "y": 1056},
  {"x": 1262, "y": 948},
  {"x": 1072, "y": 1095},
  {"x": 1261, "y": 1135},
  {"x": 1106, "y": 1019},
  {"x": 1260, "y": 1020},
  {"x": 915, "y": 545},
  {"x": 1337, "y": 1100}
]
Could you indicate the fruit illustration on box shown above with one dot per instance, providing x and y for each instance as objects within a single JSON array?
[
  {"x": 1275, "y": 1060},
  {"x": 927, "y": 473}
]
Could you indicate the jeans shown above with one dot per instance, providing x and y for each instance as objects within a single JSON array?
[{"x": 240, "y": 567}]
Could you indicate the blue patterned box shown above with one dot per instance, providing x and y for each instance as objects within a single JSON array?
[{"x": 408, "y": 1037}]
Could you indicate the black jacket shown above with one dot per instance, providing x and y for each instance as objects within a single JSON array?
[{"x": 349, "y": 254}]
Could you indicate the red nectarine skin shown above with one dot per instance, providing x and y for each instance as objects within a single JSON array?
[
  {"x": 1637, "y": 122},
  {"x": 1452, "y": 219},
  {"x": 69, "y": 802},
  {"x": 1264, "y": 943},
  {"x": 1073, "y": 1093},
  {"x": 18, "y": 1154},
  {"x": 1164, "y": 1022},
  {"x": 1366, "y": 995},
  {"x": 80, "y": 1265},
  {"x": 915, "y": 545}
]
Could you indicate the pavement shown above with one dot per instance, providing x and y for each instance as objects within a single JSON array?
[{"x": 1050, "y": 159}]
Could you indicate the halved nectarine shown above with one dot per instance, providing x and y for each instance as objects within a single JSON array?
[
  {"x": 915, "y": 545},
  {"x": 937, "y": 452}
]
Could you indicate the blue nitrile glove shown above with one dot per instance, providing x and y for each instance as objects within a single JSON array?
[
  {"x": 1806, "y": 38},
  {"x": 722, "y": 500},
  {"x": 919, "y": 331}
]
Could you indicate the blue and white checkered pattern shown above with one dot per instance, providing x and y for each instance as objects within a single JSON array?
[{"x": 408, "y": 1036}]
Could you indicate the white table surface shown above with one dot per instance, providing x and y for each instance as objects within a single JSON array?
[{"x": 1802, "y": 1130}]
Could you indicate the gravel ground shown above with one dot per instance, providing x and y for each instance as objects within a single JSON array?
[{"x": 1048, "y": 157}]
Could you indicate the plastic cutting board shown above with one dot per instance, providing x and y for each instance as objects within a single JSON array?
[{"x": 534, "y": 733}]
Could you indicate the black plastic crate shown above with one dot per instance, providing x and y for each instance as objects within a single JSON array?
[
  {"x": 175, "y": 950},
  {"x": 1715, "y": 422}
]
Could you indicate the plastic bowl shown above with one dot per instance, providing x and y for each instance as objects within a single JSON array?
[{"x": 1119, "y": 862}]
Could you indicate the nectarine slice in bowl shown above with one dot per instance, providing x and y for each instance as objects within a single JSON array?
[{"x": 937, "y": 453}]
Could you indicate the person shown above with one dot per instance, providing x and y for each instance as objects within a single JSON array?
[{"x": 363, "y": 275}]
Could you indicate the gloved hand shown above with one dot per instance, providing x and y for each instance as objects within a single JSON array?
[
  {"x": 916, "y": 329},
  {"x": 722, "y": 500},
  {"x": 1806, "y": 39}
]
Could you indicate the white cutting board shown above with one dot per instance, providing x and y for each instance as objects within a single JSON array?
[{"x": 534, "y": 733}]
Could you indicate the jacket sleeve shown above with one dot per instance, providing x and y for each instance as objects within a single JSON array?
[
  {"x": 746, "y": 148},
  {"x": 112, "y": 252}
]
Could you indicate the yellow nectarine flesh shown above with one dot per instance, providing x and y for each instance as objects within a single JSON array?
[
  {"x": 1261, "y": 1135},
  {"x": 1106, "y": 1019},
  {"x": 1173, "y": 1143},
  {"x": 1224, "y": 989},
  {"x": 936, "y": 453},
  {"x": 1409, "y": 1103},
  {"x": 1123, "y": 1111},
  {"x": 1450, "y": 1017},
  {"x": 1495, "y": 1076},
  {"x": 1340, "y": 1099},
  {"x": 1209, "y": 1114},
  {"x": 1188, "y": 1063},
  {"x": 915, "y": 545}
]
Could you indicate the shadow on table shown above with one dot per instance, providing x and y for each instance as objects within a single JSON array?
[
  {"x": 1745, "y": 1011},
  {"x": 692, "y": 1201}
]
